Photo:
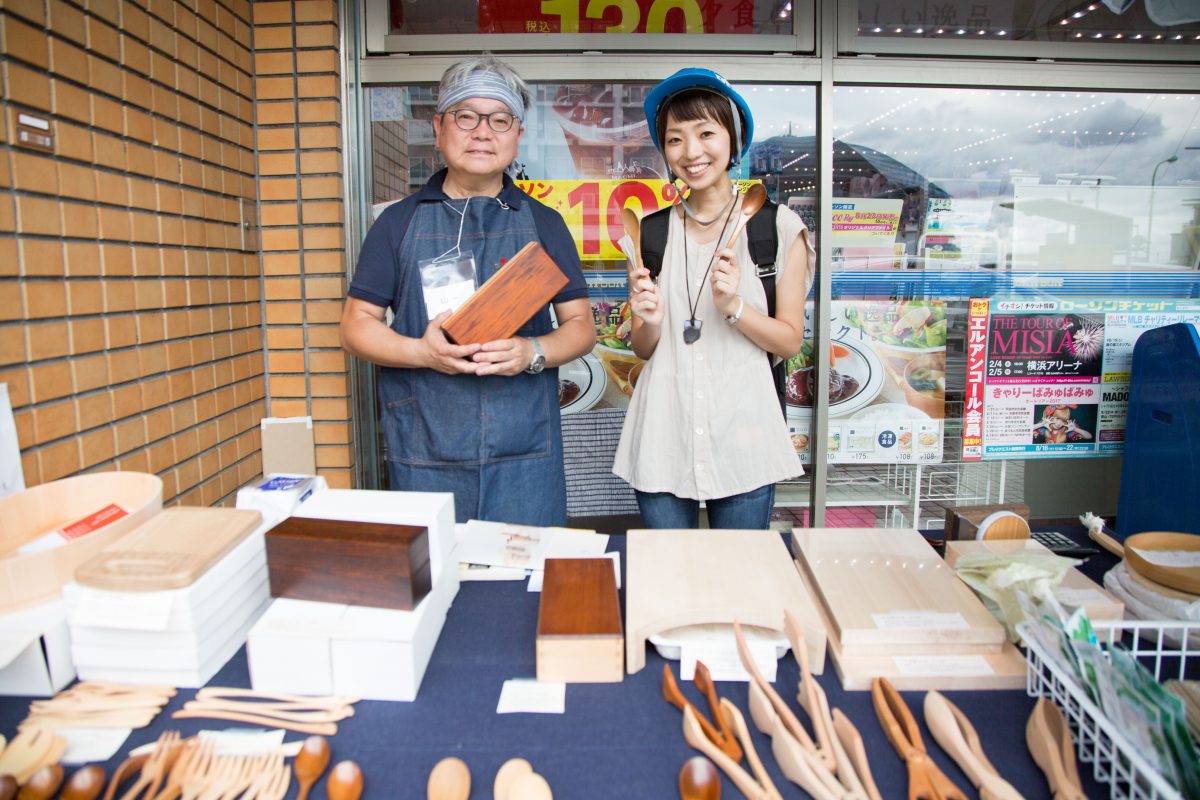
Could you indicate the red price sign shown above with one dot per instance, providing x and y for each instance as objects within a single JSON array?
[
  {"x": 592, "y": 209},
  {"x": 616, "y": 16}
]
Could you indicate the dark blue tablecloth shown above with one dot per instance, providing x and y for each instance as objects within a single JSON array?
[{"x": 614, "y": 741}]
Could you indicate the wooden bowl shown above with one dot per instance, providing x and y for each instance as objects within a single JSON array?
[
  {"x": 1183, "y": 579},
  {"x": 33, "y": 578}
]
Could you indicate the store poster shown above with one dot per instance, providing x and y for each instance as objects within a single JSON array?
[
  {"x": 1050, "y": 378},
  {"x": 958, "y": 234},
  {"x": 627, "y": 16},
  {"x": 865, "y": 231},
  {"x": 887, "y": 383}
]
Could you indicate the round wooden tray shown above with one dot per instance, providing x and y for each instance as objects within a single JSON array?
[
  {"x": 1184, "y": 579},
  {"x": 37, "y": 577}
]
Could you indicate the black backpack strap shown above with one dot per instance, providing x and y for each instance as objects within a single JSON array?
[
  {"x": 654, "y": 239},
  {"x": 763, "y": 240}
]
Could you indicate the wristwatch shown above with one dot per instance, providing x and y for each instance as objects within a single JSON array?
[{"x": 539, "y": 358}]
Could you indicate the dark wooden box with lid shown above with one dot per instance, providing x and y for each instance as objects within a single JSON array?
[
  {"x": 357, "y": 563},
  {"x": 508, "y": 299}
]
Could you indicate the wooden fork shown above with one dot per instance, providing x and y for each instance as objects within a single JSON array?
[
  {"x": 156, "y": 766},
  {"x": 195, "y": 758}
]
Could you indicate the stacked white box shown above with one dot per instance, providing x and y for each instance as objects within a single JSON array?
[
  {"x": 303, "y": 647},
  {"x": 180, "y": 637}
]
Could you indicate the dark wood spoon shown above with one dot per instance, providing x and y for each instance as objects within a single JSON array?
[{"x": 699, "y": 780}]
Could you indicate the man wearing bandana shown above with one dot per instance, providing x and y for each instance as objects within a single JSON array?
[{"x": 480, "y": 420}]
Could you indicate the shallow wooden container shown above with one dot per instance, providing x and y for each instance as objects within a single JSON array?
[
  {"x": 27, "y": 580},
  {"x": 579, "y": 637},
  {"x": 508, "y": 299},
  {"x": 356, "y": 563}
]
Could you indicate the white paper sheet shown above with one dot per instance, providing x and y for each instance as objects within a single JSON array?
[
  {"x": 523, "y": 547},
  {"x": 527, "y": 696}
]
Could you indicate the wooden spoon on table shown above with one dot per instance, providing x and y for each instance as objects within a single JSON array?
[
  {"x": 84, "y": 784},
  {"x": 508, "y": 773},
  {"x": 529, "y": 786},
  {"x": 699, "y": 780},
  {"x": 27, "y": 751},
  {"x": 752, "y": 201},
  {"x": 43, "y": 783},
  {"x": 1049, "y": 742},
  {"x": 310, "y": 762},
  {"x": 345, "y": 782},
  {"x": 450, "y": 779},
  {"x": 8, "y": 787}
]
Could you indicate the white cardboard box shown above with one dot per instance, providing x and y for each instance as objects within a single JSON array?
[
  {"x": 35, "y": 651},
  {"x": 304, "y": 647}
]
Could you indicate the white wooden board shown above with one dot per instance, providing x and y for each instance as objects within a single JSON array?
[
  {"x": 676, "y": 578},
  {"x": 887, "y": 586}
]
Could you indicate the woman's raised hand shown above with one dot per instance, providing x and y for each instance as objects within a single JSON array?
[{"x": 643, "y": 297}]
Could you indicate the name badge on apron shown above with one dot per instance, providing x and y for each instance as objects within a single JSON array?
[{"x": 447, "y": 281}]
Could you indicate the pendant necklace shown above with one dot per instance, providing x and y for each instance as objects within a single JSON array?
[{"x": 691, "y": 325}]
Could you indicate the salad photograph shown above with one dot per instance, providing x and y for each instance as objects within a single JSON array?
[{"x": 917, "y": 324}]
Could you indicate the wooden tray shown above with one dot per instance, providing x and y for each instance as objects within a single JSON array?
[
  {"x": 26, "y": 580},
  {"x": 690, "y": 577},
  {"x": 169, "y": 551},
  {"x": 579, "y": 623},
  {"x": 887, "y": 586},
  {"x": 1183, "y": 579},
  {"x": 508, "y": 299}
]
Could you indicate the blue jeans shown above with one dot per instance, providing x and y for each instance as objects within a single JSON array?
[{"x": 747, "y": 511}]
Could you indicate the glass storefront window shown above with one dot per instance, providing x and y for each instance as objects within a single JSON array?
[
  {"x": 1145, "y": 22},
  {"x": 996, "y": 254}
]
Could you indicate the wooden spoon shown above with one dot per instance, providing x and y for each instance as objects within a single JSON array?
[
  {"x": 345, "y": 782},
  {"x": 85, "y": 784},
  {"x": 42, "y": 784},
  {"x": 753, "y": 200},
  {"x": 633, "y": 227},
  {"x": 958, "y": 737},
  {"x": 1049, "y": 742},
  {"x": 310, "y": 763},
  {"x": 450, "y": 779},
  {"x": 129, "y": 767},
  {"x": 699, "y": 780},
  {"x": 529, "y": 786},
  {"x": 26, "y": 752},
  {"x": 8, "y": 787},
  {"x": 505, "y": 776}
]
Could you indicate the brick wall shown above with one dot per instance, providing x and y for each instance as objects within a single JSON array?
[{"x": 140, "y": 325}]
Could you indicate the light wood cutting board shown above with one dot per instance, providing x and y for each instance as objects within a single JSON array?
[
  {"x": 886, "y": 586},
  {"x": 171, "y": 550},
  {"x": 676, "y": 578}
]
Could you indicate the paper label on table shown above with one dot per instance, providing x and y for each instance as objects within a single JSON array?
[
  {"x": 522, "y": 546},
  {"x": 139, "y": 611},
  {"x": 923, "y": 620},
  {"x": 244, "y": 741},
  {"x": 536, "y": 576},
  {"x": 88, "y": 745},
  {"x": 723, "y": 661},
  {"x": 957, "y": 666},
  {"x": 484, "y": 572},
  {"x": 1079, "y": 597},
  {"x": 1183, "y": 559},
  {"x": 526, "y": 696}
]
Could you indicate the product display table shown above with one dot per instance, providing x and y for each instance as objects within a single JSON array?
[{"x": 618, "y": 740}]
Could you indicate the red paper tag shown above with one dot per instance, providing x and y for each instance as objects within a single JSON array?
[{"x": 104, "y": 516}]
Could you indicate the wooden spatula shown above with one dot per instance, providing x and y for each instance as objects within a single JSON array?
[{"x": 26, "y": 752}]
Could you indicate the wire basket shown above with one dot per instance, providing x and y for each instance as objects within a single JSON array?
[{"x": 1161, "y": 647}]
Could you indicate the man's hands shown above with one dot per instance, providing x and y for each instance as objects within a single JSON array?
[{"x": 501, "y": 357}]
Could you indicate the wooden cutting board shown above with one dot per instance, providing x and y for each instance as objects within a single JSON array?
[
  {"x": 887, "y": 586},
  {"x": 676, "y": 578},
  {"x": 170, "y": 551}
]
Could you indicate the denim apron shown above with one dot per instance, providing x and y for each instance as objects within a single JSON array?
[{"x": 494, "y": 441}]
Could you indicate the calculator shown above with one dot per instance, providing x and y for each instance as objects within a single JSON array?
[{"x": 1062, "y": 545}]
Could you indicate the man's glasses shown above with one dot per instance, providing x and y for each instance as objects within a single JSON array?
[{"x": 468, "y": 120}]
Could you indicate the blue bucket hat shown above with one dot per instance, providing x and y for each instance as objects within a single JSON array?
[{"x": 699, "y": 78}]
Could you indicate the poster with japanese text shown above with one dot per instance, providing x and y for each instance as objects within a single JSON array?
[
  {"x": 1050, "y": 378},
  {"x": 629, "y": 16}
]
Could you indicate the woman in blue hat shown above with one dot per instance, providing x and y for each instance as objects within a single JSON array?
[{"x": 704, "y": 422}]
